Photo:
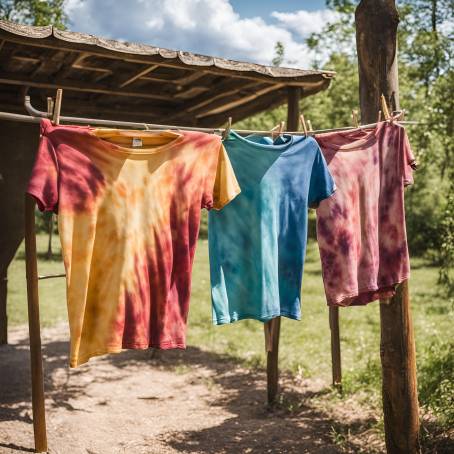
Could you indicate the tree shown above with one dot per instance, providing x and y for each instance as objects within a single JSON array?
[
  {"x": 35, "y": 12},
  {"x": 279, "y": 54}
]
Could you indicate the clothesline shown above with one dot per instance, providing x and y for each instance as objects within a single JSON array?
[{"x": 36, "y": 116}]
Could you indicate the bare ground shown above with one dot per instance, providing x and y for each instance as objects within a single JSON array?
[{"x": 190, "y": 401}]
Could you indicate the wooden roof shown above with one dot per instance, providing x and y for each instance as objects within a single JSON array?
[{"x": 128, "y": 81}]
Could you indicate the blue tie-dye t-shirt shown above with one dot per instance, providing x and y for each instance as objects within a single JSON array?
[{"x": 257, "y": 243}]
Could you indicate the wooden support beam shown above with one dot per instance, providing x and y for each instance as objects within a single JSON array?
[
  {"x": 36, "y": 361},
  {"x": 293, "y": 108},
  {"x": 376, "y": 38},
  {"x": 138, "y": 75},
  {"x": 13, "y": 79},
  {"x": 335, "y": 347},
  {"x": 265, "y": 102},
  {"x": 3, "y": 314},
  {"x": 272, "y": 333}
]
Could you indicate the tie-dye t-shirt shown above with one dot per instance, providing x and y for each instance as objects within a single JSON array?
[
  {"x": 257, "y": 243},
  {"x": 361, "y": 229},
  {"x": 128, "y": 220}
]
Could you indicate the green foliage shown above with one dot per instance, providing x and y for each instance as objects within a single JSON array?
[
  {"x": 436, "y": 385},
  {"x": 279, "y": 54},
  {"x": 35, "y": 12},
  {"x": 446, "y": 278}
]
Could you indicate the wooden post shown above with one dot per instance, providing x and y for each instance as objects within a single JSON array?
[
  {"x": 335, "y": 347},
  {"x": 273, "y": 327},
  {"x": 3, "y": 313},
  {"x": 39, "y": 416},
  {"x": 376, "y": 38},
  {"x": 293, "y": 108},
  {"x": 272, "y": 332}
]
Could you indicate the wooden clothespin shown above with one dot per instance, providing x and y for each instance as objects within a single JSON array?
[
  {"x": 310, "y": 125},
  {"x": 379, "y": 116},
  {"x": 384, "y": 108},
  {"x": 227, "y": 129},
  {"x": 303, "y": 124},
  {"x": 57, "y": 107},
  {"x": 280, "y": 127},
  {"x": 355, "y": 121},
  {"x": 50, "y": 107}
]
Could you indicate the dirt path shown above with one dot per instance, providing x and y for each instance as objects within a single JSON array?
[{"x": 146, "y": 402}]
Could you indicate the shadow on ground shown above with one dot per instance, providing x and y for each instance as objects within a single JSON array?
[{"x": 294, "y": 425}]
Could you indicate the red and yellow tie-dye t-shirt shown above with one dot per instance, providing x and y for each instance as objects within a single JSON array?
[
  {"x": 361, "y": 228},
  {"x": 128, "y": 205}
]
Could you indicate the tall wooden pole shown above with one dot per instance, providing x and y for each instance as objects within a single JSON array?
[
  {"x": 36, "y": 361},
  {"x": 3, "y": 314},
  {"x": 273, "y": 327},
  {"x": 335, "y": 347},
  {"x": 376, "y": 38}
]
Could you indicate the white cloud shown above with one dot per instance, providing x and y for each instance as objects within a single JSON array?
[
  {"x": 209, "y": 27},
  {"x": 303, "y": 23}
]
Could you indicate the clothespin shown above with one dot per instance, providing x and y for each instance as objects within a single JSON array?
[
  {"x": 280, "y": 127},
  {"x": 355, "y": 121},
  {"x": 303, "y": 124},
  {"x": 379, "y": 116},
  {"x": 57, "y": 107},
  {"x": 384, "y": 108},
  {"x": 50, "y": 107},
  {"x": 310, "y": 125},
  {"x": 227, "y": 129}
]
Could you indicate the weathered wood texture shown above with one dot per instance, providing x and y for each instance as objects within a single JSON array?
[
  {"x": 272, "y": 334},
  {"x": 111, "y": 78},
  {"x": 398, "y": 357},
  {"x": 39, "y": 415},
  {"x": 335, "y": 347},
  {"x": 376, "y": 42},
  {"x": 18, "y": 145},
  {"x": 376, "y": 35}
]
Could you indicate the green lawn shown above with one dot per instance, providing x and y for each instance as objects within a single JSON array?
[{"x": 305, "y": 345}]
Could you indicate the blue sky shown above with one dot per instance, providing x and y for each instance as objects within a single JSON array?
[
  {"x": 241, "y": 30},
  {"x": 266, "y": 7}
]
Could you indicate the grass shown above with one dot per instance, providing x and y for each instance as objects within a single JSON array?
[{"x": 305, "y": 345}]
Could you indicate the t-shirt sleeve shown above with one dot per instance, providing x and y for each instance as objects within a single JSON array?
[
  {"x": 43, "y": 183},
  {"x": 226, "y": 186},
  {"x": 408, "y": 160},
  {"x": 322, "y": 184}
]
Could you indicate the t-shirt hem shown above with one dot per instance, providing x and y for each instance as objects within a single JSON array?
[
  {"x": 260, "y": 318},
  {"x": 77, "y": 361},
  {"x": 382, "y": 288}
]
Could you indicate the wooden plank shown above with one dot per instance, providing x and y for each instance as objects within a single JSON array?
[
  {"x": 335, "y": 347},
  {"x": 36, "y": 362},
  {"x": 228, "y": 104},
  {"x": 138, "y": 75},
  {"x": 376, "y": 37},
  {"x": 272, "y": 333},
  {"x": 12, "y": 79},
  {"x": 265, "y": 102}
]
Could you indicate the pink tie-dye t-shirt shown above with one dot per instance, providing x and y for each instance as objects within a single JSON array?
[
  {"x": 361, "y": 228},
  {"x": 128, "y": 205}
]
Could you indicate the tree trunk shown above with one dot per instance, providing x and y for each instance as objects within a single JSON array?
[{"x": 376, "y": 38}]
